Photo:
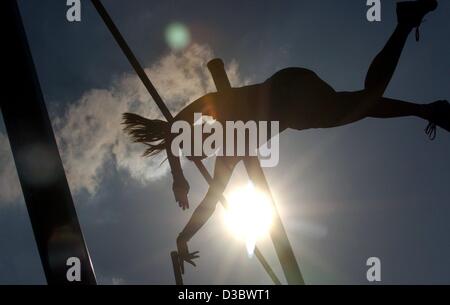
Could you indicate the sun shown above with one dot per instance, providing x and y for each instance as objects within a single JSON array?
[{"x": 249, "y": 215}]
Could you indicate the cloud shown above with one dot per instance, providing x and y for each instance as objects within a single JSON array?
[{"x": 89, "y": 133}]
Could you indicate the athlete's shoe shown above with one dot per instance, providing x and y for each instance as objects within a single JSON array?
[
  {"x": 411, "y": 13},
  {"x": 439, "y": 116}
]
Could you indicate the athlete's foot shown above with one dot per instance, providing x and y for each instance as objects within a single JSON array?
[
  {"x": 439, "y": 116},
  {"x": 411, "y": 13}
]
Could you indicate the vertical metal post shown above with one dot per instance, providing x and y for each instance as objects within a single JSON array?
[
  {"x": 40, "y": 170},
  {"x": 278, "y": 234}
]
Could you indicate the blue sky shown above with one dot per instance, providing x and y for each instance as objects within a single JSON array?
[{"x": 374, "y": 188}]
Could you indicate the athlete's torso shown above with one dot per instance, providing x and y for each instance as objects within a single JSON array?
[{"x": 291, "y": 96}]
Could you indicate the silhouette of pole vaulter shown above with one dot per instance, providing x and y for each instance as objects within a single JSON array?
[{"x": 298, "y": 99}]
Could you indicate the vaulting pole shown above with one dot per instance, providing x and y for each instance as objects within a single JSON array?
[
  {"x": 44, "y": 185},
  {"x": 165, "y": 111}
]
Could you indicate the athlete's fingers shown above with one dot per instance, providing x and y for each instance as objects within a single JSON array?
[{"x": 191, "y": 262}]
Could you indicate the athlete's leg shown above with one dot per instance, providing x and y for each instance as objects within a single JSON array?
[
  {"x": 437, "y": 113},
  {"x": 383, "y": 66},
  {"x": 410, "y": 15},
  {"x": 392, "y": 108},
  {"x": 331, "y": 109},
  {"x": 349, "y": 107}
]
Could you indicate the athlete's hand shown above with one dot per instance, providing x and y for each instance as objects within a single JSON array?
[
  {"x": 180, "y": 189},
  {"x": 184, "y": 255}
]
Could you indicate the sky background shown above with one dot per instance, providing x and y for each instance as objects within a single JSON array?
[{"x": 374, "y": 188}]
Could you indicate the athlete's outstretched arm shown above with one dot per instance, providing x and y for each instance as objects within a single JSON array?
[
  {"x": 222, "y": 173},
  {"x": 180, "y": 187}
]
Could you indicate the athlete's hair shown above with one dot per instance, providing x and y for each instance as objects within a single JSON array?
[{"x": 152, "y": 133}]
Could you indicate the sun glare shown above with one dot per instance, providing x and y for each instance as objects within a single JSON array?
[
  {"x": 177, "y": 36},
  {"x": 249, "y": 215}
]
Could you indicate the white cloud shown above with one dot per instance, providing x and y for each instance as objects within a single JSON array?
[{"x": 89, "y": 133}]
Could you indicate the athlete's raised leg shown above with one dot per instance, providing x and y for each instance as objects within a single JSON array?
[
  {"x": 348, "y": 107},
  {"x": 409, "y": 15}
]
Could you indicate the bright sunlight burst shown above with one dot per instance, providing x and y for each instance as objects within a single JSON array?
[{"x": 249, "y": 215}]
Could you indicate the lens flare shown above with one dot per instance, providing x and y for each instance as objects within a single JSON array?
[
  {"x": 249, "y": 215},
  {"x": 177, "y": 36}
]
